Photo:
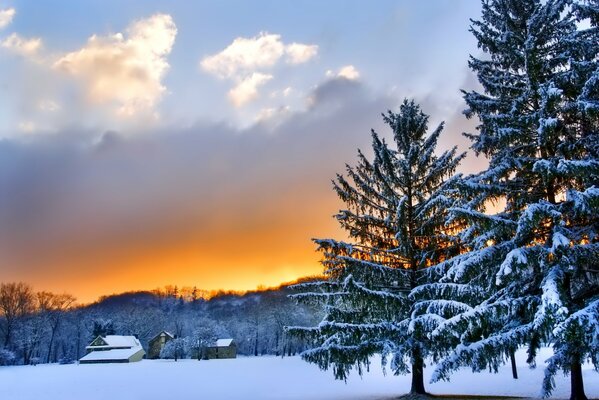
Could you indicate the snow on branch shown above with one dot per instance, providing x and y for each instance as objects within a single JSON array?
[{"x": 514, "y": 257}]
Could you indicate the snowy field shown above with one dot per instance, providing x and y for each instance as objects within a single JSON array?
[{"x": 253, "y": 378}]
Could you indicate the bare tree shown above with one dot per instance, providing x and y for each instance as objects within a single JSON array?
[
  {"x": 30, "y": 333},
  {"x": 53, "y": 307},
  {"x": 16, "y": 301}
]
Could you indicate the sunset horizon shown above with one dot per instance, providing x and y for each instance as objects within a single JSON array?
[
  {"x": 133, "y": 155},
  {"x": 164, "y": 288}
]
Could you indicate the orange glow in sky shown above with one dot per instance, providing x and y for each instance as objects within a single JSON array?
[{"x": 141, "y": 148}]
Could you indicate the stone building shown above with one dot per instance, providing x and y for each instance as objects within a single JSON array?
[
  {"x": 222, "y": 348},
  {"x": 156, "y": 344}
]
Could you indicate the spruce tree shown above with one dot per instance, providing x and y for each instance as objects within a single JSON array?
[
  {"x": 395, "y": 219},
  {"x": 535, "y": 258}
]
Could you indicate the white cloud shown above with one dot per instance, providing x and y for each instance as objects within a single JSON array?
[
  {"x": 281, "y": 93},
  {"x": 48, "y": 106},
  {"x": 265, "y": 114},
  {"x": 6, "y": 17},
  {"x": 22, "y": 46},
  {"x": 349, "y": 72},
  {"x": 249, "y": 54},
  {"x": 298, "y": 53},
  {"x": 27, "y": 126},
  {"x": 242, "y": 60},
  {"x": 125, "y": 69},
  {"x": 271, "y": 113},
  {"x": 247, "y": 89},
  {"x": 245, "y": 54}
]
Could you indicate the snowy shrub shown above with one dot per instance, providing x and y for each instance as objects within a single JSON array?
[
  {"x": 66, "y": 360},
  {"x": 174, "y": 349},
  {"x": 7, "y": 357}
]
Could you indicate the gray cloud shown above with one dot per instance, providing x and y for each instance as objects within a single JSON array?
[{"x": 77, "y": 201}]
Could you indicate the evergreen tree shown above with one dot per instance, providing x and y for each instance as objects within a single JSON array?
[
  {"x": 535, "y": 261},
  {"x": 395, "y": 218},
  {"x": 102, "y": 327}
]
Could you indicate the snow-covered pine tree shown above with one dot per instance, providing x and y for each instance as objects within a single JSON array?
[
  {"x": 536, "y": 259},
  {"x": 395, "y": 219}
]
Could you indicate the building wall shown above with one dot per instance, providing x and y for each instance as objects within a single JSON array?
[
  {"x": 221, "y": 352},
  {"x": 133, "y": 358},
  {"x": 137, "y": 356},
  {"x": 156, "y": 345}
]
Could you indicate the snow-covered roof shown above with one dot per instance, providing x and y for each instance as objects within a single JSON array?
[
  {"x": 164, "y": 332},
  {"x": 223, "y": 342},
  {"x": 117, "y": 341},
  {"x": 115, "y": 354}
]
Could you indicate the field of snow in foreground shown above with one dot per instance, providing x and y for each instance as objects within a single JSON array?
[{"x": 254, "y": 378}]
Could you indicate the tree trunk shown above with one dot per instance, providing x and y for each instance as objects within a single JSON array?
[
  {"x": 513, "y": 361},
  {"x": 576, "y": 383},
  {"x": 50, "y": 345},
  {"x": 8, "y": 334},
  {"x": 256, "y": 344},
  {"x": 417, "y": 374},
  {"x": 78, "y": 349}
]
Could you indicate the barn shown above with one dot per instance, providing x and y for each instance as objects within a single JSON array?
[
  {"x": 222, "y": 348},
  {"x": 156, "y": 344},
  {"x": 113, "y": 349}
]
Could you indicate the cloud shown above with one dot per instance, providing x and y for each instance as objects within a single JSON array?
[
  {"x": 22, "y": 46},
  {"x": 245, "y": 54},
  {"x": 6, "y": 17},
  {"x": 266, "y": 114},
  {"x": 247, "y": 89},
  {"x": 193, "y": 201},
  {"x": 329, "y": 93},
  {"x": 49, "y": 106},
  {"x": 348, "y": 72},
  {"x": 249, "y": 54},
  {"x": 27, "y": 126},
  {"x": 243, "y": 60},
  {"x": 298, "y": 53},
  {"x": 270, "y": 114},
  {"x": 125, "y": 69}
]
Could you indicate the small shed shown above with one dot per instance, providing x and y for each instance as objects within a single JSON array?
[
  {"x": 222, "y": 348},
  {"x": 113, "y": 349},
  {"x": 156, "y": 344}
]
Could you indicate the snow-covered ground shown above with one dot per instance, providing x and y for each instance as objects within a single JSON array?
[{"x": 253, "y": 378}]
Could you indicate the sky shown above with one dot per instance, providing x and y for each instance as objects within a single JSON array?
[{"x": 145, "y": 143}]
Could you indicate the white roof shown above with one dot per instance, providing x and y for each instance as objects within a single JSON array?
[
  {"x": 166, "y": 333},
  {"x": 117, "y": 341},
  {"x": 115, "y": 354},
  {"x": 224, "y": 342}
]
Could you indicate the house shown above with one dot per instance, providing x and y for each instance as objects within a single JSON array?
[
  {"x": 222, "y": 348},
  {"x": 156, "y": 344},
  {"x": 113, "y": 349}
]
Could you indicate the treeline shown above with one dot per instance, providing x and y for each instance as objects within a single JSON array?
[{"x": 43, "y": 327}]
